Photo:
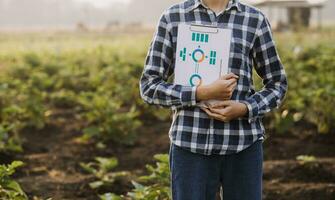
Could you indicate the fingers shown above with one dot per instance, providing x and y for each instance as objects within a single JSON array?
[
  {"x": 229, "y": 76},
  {"x": 219, "y": 111},
  {"x": 216, "y": 116},
  {"x": 221, "y": 104},
  {"x": 232, "y": 86},
  {"x": 204, "y": 105},
  {"x": 231, "y": 82},
  {"x": 207, "y": 111}
]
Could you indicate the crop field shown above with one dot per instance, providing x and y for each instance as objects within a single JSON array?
[{"x": 73, "y": 126}]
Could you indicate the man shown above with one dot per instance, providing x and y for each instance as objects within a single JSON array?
[{"x": 220, "y": 145}]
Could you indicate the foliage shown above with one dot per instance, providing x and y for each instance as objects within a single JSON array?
[
  {"x": 10, "y": 189},
  {"x": 97, "y": 82},
  {"x": 109, "y": 196},
  {"x": 304, "y": 159},
  {"x": 102, "y": 170},
  {"x": 21, "y": 106},
  {"x": 311, "y": 94},
  {"x": 156, "y": 185},
  {"x": 34, "y": 85},
  {"x": 95, "y": 78}
]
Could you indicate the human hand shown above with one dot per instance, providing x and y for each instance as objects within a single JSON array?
[
  {"x": 226, "y": 111},
  {"x": 222, "y": 89}
]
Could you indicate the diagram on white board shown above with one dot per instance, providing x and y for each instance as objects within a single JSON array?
[
  {"x": 199, "y": 57},
  {"x": 203, "y": 54}
]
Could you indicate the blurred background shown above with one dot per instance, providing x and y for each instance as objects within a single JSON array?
[
  {"x": 105, "y": 14},
  {"x": 72, "y": 124}
]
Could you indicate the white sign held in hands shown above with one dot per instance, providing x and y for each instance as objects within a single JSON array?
[{"x": 202, "y": 55}]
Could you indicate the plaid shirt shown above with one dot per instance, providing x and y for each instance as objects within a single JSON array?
[{"x": 252, "y": 45}]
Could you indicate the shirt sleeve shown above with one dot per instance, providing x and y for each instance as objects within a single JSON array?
[
  {"x": 158, "y": 67},
  {"x": 269, "y": 67}
]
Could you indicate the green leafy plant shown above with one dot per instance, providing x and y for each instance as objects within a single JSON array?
[
  {"x": 21, "y": 106},
  {"x": 109, "y": 196},
  {"x": 102, "y": 169},
  {"x": 156, "y": 185},
  {"x": 108, "y": 120},
  {"x": 311, "y": 92},
  {"x": 10, "y": 189}
]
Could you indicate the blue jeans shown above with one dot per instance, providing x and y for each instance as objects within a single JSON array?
[{"x": 199, "y": 177}]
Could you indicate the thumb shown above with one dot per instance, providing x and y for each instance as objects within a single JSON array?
[{"x": 229, "y": 76}]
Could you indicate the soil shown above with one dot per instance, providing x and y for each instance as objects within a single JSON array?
[{"x": 52, "y": 158}]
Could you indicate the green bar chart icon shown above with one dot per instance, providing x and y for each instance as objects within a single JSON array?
[
  {"x": 212, "y": 59},
  {"x": 183, "y": 54},
  {"x": 200, "y": 37},
  {"x": 194, "y": 35}
]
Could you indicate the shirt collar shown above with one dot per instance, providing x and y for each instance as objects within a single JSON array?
[{"x": 231, "y": 4}]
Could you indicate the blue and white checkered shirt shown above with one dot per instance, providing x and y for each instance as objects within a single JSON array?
[{"x": 252, "y": 45}]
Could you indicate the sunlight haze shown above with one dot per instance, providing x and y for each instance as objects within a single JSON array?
[{"x": 103, "y": 3}]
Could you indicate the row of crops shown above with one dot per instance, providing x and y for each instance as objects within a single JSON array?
[{"x": 98, "y": 84}]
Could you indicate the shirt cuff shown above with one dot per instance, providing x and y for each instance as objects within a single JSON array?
[
  {"x": 252, "y": 110},
  {"x": 188, "y": 95}
]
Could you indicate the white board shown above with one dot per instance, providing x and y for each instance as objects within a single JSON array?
[{"x": 202, "y": 54}]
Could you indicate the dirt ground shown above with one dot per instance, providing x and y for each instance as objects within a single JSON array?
[{"x": 52, "y": 158}]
